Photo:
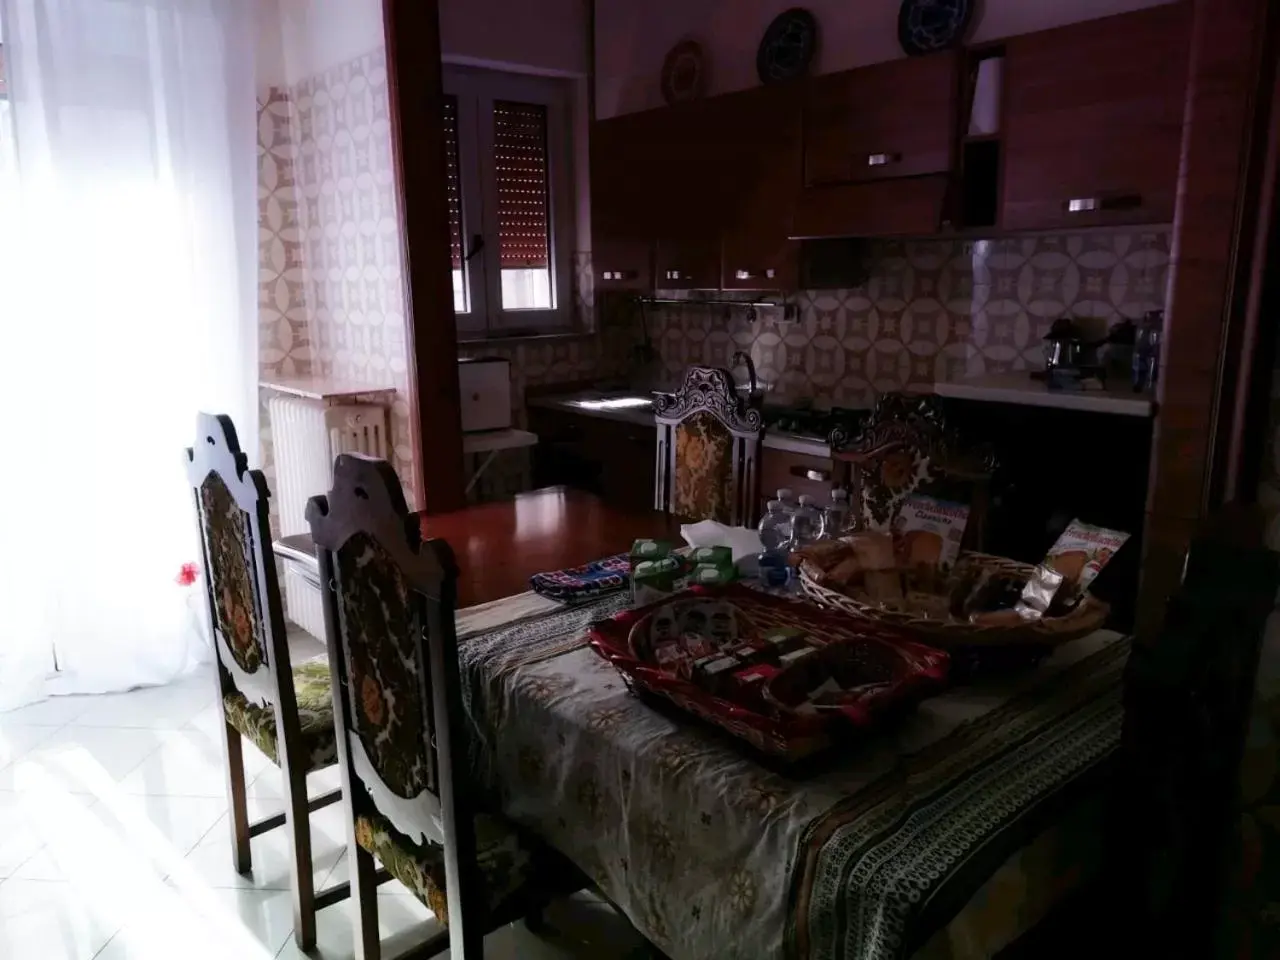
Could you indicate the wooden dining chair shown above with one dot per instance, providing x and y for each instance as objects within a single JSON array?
[
  {"x": 708, "y": 456},
  {"x": 905, "y": 446},
  {"x": 286, "y": 711},
  {"x": 389, "y": 601}
]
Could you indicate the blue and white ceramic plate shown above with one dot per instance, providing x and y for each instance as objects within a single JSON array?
[{"x": 925, "y": 26}]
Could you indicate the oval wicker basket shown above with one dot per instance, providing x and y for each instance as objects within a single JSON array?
[{"x": 1087, "y": 616}]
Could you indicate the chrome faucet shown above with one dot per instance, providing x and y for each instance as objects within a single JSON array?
[{"x": 744, "y": 358}]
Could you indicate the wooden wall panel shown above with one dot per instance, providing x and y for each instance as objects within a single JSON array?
[
  {"x": 1219, "y": 173},
  {"x": 417, "y": 136}
]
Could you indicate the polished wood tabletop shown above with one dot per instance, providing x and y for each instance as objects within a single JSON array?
[{"x": 501, "y": 545}]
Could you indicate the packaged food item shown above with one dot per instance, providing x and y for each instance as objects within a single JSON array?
[
  {"x": 927, "y": 537},
  {"x": 696, "y": 619},
  {"x": 653, "y": 580},
  {"x": 883, "y": 587},
  {"x": 663, "y": 627},
  {"x": 722, "y": 624},
  {"x": 715, "y": 676},
  {"x": 753, "y": 677},
  {"x": 697, "y": 646},
  {"x": 1080, "y": 554},
  {"x": 672, "y": 657},
  {"x": 783, "y": 639},
  {"x": 1038, "y": 593},
  {"x": 752, "y": 652},
  {"x": 791, "y": 656},
  {"x": 716, "y": 556},
  {"x": 710, "y": 575},
  {"x": 649, "y": 550}
]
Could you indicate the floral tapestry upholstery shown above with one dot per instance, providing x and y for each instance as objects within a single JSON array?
[
  {"x": 230, "y": 547},
  {"x": 703, "y": 484},
  {"x": 379, "y": 626},
  {"x": 506, "y": 864},
  {"x": 315, "y": 717},
  {"x": 887, "y": 480}
]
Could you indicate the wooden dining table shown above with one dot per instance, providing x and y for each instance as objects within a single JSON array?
[
  {"x": 944, "y": 836},
  {"x": 500, "y": 545}
]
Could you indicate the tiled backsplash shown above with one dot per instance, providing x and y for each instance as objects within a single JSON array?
[{"x": 928, "y": 311}]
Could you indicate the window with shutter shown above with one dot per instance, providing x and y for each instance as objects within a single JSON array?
[
  {"x": 520, "y": 165},
  {"x": 510, "y": 201},
  {"x": 454, "y": 186}
]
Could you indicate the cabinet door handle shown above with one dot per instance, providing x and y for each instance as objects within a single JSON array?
[
  {"x": 882, "y": 159},
  {"x": 754, "y": 274},
  {"x": 677, "y": 275},
  {"x": 805, "y": 473},
  {"x": 617, "y": 275},
  {"x": 1118, "y": 201}
]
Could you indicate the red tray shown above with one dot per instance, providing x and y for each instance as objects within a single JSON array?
[{"x": 918, "y": 671}]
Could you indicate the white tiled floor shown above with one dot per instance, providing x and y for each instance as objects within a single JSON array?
[{"x": 114, "y": 845}]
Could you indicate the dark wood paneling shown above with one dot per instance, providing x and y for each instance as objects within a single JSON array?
[
  {"x": 1094, "y": 111},
  {"x": 417, "y": 141},
  {"x": 621, "y": 209},
  {"x": 1218, "y": 183},
  {"x": 910, "y": 206},
  {"x": 903, "y": 110}
]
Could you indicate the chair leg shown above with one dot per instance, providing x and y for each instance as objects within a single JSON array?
[
  {"x": 241, "y": 855},
  {"x": 298, "y": 825},
  {"x": 364, "y": 891}
]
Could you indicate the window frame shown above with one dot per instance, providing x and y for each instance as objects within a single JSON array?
[{"x": 476, "y": 90}]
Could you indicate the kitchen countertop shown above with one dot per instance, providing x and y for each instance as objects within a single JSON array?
[
  {"x": 643, "y": 416},
  {"x": 1018, "y": 387}
]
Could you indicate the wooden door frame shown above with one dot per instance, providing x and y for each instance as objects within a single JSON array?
[{"x": 416, "y": 104}]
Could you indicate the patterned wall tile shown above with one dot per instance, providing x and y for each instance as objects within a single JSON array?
[
  {"x": 928, "y": 310},
  {"x": 349, "y": 224}
]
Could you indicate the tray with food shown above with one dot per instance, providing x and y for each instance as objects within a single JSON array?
[
  {"x": 915, "y": 578},
  {"x": 785, "y": 676}
]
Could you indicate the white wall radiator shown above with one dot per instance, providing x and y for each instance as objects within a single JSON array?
[{"x": 307, "y": 436}]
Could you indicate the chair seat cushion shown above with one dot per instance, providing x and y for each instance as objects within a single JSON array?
[
  {"x": 510, "y": 868},
  {"x": 315, "y": 717}
]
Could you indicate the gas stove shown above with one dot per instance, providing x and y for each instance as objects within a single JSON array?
[{"x": 810, "y": 423}]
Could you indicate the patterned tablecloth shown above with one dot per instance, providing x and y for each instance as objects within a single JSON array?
[{"x": 713, "y": 855}]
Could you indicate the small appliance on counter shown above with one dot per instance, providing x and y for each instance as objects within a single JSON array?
[
  {"x": 1071, "y": 360},
  {"x": 484, "y": 386}
]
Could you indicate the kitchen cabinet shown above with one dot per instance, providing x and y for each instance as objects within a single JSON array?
[
  {"x": 797, "y": 472},
  {"x": 610, "y": 458},
  {"x": 894, "y": 119},
  {"x": 686, "y": 202},
  {"x": 908, "y": 207},
  {"x": 758, "y": 133},
  {"x": 1093, "y": 121},
  {"x": 621, "y": 212}
]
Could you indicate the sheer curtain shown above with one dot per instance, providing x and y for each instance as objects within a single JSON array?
[{"x": 128, "y": 265}]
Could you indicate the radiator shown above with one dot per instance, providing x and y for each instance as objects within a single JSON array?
[{"x": 307, "y": 436}]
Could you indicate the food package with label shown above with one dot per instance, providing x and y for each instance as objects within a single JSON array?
[
  {"x": 653, "y": 580},
  {"x": 1079, "y": 555},
  {"x": 927, "y": 537}
]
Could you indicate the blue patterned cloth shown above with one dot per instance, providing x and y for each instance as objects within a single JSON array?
[{"x": 575, "y": 584}]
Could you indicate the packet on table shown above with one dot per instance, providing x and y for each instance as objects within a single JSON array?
[
  {"x": 927, "y": 537},
  {"x": 1080, "y": 554},
  {"x": 653, "y": 580}
]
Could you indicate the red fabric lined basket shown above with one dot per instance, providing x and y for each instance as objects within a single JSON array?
[{"x": 919, "y": 672}]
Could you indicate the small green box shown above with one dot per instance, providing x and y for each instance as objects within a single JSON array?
[
  {"x": 711, "y": 575},
  {"x": 649, "y": 550},
  {"x": 653, "y": 580},
  {"x": 718, "y": 556}
]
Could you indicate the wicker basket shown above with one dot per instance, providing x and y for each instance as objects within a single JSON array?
[{"x": 1089, "y": 615}]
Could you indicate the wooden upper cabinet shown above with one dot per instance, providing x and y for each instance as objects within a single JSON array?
[
  {"x": 621, "y": 214},
  {"x": 894, "y": 119},
  {"x": 1093, "y": 121},
  {"x": 683, "y": 202},
  {"x": 758, "y": 137}
]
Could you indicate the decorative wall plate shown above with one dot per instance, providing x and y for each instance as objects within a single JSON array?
[
  {"x": 684, "y": 72},
  {"x": 925, "y": 26},
  {"x": 788, "y": 46}
]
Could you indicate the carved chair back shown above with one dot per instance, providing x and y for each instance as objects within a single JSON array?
[
  {"x": 906, "y": 447},
  {"x": 708, "y": 449},
  {"x": 389, "y": 600},
  {"x": 245, "y": 613}
]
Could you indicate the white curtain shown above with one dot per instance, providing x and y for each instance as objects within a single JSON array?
[{"x": 128, "y": 267}]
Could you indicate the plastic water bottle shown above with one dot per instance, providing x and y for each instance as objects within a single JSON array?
[
  {"x": 835, "y": 518},
  {"x": 775, "y": 532},
  {"x": 806, "y": 523},
  {"x": 787, "y": 497}
]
